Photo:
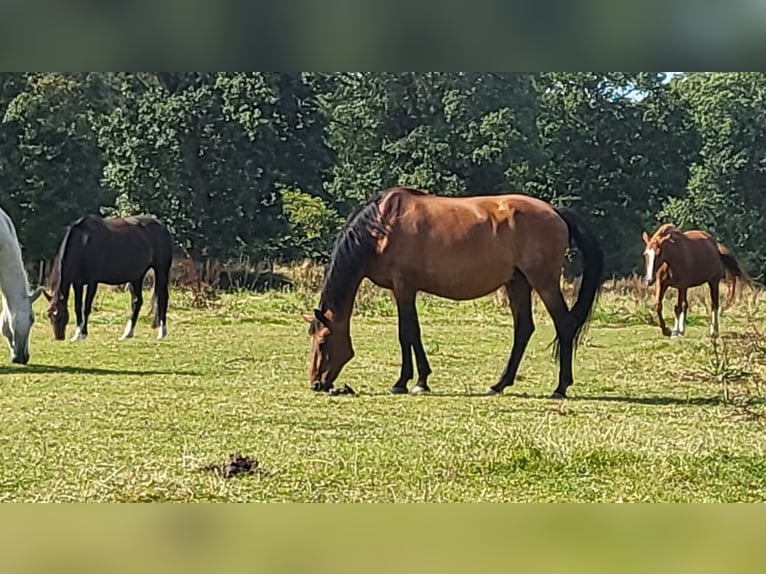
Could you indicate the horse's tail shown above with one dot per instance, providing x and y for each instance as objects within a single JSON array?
[
  {"x": 734, "y": 272},
  {"x": 593, "y": 269}
]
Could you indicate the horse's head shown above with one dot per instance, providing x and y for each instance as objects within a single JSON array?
[
  {"x": 17, "y": 324},
  {"x": 655, "y": 251},
  {"x": 58, "y": 313},
  {"x": 330, "y": 349}
]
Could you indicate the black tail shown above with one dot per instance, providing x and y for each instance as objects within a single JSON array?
[{"x": 593, "y": 269}]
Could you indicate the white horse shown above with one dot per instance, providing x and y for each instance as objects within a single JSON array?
[{"x": 17, "y": 316}]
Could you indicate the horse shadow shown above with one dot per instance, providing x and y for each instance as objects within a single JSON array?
[
  {"x": 97, "y": 371},
  {"x": 651, "y": 401}
]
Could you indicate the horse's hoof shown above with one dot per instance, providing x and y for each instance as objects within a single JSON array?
[
  {"x": 558, "y": 396},
  {"x": 418, "y": 390},
  {"x": 490, "y": 392},
  {"x": 163, "y": 332},
  {"x": 399, "y": 390},
  {"x": 78, "y": 336},
  {"x": 319, "y": 387}
]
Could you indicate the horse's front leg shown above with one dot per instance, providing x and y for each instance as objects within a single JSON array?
[
  {"x": 79, "y": 334},
  {"x": 90, "y": 294},
  {"x": 658, "y": 296},
  {"x": 680, "y": 310},
  {"x": 405, "y": 342},
  {"x": 409, "y": 340}
]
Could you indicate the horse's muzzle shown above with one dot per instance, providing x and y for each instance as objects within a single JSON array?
[
  {"x": 22, "y": 359},
  {"x": 319, "y": 386}
]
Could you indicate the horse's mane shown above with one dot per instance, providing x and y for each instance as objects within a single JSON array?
[
  {"x": 354, "y": 246},
  {"x": 665, "y": 229}
]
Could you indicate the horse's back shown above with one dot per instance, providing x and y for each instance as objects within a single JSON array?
[
  {"x": 699, "y": 260},
  {"x": 116, "y": 250},
  {"x": 464, "y": 247}
]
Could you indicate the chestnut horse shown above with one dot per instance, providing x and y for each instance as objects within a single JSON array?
[
  {"x": 458, "y": 248},
  {"x": 115, "y": 251},
  {"x": 683, "y": 260}
]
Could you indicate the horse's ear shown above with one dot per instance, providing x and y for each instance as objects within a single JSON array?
[
  {"x": 308, "y": 318},
  {"x": 645, "y": 237},
  {"x": 321, "y": 318}
]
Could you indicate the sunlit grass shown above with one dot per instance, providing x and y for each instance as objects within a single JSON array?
[{"x": 649, "y": 419}]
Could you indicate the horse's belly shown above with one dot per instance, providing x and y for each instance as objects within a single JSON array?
[{"x": 463, "y": 282}]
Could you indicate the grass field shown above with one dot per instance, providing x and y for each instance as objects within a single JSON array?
[{"x": 649, "y": 419}]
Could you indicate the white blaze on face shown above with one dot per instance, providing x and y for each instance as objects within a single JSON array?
[{"x": 649, "y": 255}]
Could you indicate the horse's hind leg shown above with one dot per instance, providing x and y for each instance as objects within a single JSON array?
[
  {"x": 409, "y": 340},
  {"x": 682, "y": 305},
  {"x": 136, "y": 300},
  {"x": 161, "y": 296},
  {"x": 520, "y": 296},
  {"x": 714, "y": 306},
  {"x": 565, "y": 333},
  {"x": 79, "y": 334}
]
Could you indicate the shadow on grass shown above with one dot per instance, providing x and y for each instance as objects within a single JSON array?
[
  {"x": 661, "y": 401},
  {"x": 652, "y": 401},
  {"x": 73, "y": 370}
]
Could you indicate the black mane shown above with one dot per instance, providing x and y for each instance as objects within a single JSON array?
[{"x": 354, "y": 246}]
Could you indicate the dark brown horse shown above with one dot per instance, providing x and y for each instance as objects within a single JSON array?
[
  {"x": 683, "y": 260},
  {"x": 458, "y": 248},
  {"x": 114, "y": 251}
]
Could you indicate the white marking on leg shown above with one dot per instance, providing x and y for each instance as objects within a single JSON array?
[
  {"x": 78, "y": 334},
  {"x": 650, "y": 255},
  {"x": 163, "y": 332},
  {"x": 714, "y": 324},
  {"x": 682, "y": 323},
  {"x": 128, "y": 333},
  {"x": 675, "y": 332}
]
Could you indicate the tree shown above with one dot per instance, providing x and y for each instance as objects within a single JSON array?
[
  {"x": 50, "y": 165},
  {"x": 450, "y": 133},
  {"x": 616, "y": 146},
  {"x": 209, "y": 153},
  {"x": 726, "y": 188}
]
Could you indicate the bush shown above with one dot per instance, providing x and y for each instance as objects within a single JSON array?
[{"x": 312, "y": 226}]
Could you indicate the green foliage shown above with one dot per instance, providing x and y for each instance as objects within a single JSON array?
[
  {"x": 210, "y": 153},
  {"x": 312, "y": 226},
  {"x": 725, "y": 189},
  {"x": 453, "y": 133},
  {"x": 615, "y": 147},
  {"x": 50, "y": 163}
]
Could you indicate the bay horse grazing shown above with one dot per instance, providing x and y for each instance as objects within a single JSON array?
[
  {"x": 17, "y": 315},
  {"x": 114, "y": 251},
  {"x": 458, "y": 248},
  {"x": 686, "y": 259}
]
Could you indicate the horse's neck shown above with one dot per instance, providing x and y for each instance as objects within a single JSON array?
[
  {"x": 13, "y": 278},
  {"x": 340, "y": 308}
]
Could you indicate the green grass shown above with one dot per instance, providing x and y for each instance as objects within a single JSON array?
[{"x": 649, "y": 419}]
